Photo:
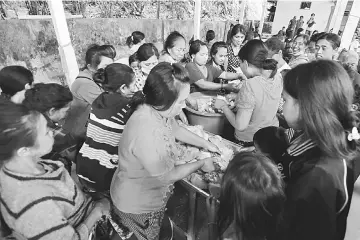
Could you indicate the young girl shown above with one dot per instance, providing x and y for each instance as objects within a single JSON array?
[
  {"x": 202, "y": 76},
  {"x": 14, "y": 80},
  {"x": 318, "y": 164},
  {"x": 98, "y": 157},
  {"x": 39, "y": 199},
  {"x": 251, "y": 200},
  {"x": 259, "y": 96},
  {"x": 53, "y": 101}
]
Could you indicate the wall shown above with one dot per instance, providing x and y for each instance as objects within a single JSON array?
[
  {"x": 33, "y": 44},
  {"x": 286, "y": 10}
]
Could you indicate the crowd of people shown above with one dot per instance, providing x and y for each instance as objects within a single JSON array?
[{"x": 120, "y": 125}]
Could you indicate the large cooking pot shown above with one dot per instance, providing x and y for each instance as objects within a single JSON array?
[{"x": 212, "y": 122}]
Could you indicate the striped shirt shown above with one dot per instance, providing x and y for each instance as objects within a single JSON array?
[
  {"x": 48, "y": 206},
  {"x": 98, "y": 157}
]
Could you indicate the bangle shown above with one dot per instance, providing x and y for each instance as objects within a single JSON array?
[{"x": 222, "y": 85}]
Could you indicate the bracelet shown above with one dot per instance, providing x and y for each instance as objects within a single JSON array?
[{"x": 222, "y": 84}]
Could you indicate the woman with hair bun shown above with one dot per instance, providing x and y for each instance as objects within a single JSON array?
[
  {"x": 134, "y": 41},
  {"x": 98, "y": 157},
  {"x": 85, "y": 89},
  {"x": 174, "y": 48},
  {"x": 147, "y": 170},
  {"x": 259, "y": 97}
]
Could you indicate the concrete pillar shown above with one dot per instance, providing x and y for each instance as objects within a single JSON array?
[
  {"x": 242, "y": 11},
  {"x": 67, "y": 53},
  {"x": 338, "y": 15},
  {"x": 351, "y": 25},
  {"x": 197, "y": 17},
  {"x": 263, "y": 13}
]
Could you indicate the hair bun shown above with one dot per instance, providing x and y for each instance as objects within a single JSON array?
[{"x": 99, "y": 76}]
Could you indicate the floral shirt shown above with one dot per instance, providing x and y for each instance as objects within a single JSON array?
[{"x": 140, "y": 79}]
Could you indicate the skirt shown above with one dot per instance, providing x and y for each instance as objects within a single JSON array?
[{"x": 145, "y": 226}]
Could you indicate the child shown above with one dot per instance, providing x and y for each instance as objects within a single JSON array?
[
  {"x": 39, "y": 199},
  {"x": 53, "y": 101},
  {"x": 251, "y": 200},
  {"x": 318, "y": 164}
]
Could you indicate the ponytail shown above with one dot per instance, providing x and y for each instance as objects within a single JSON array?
[
  {"x": 270, "y": 64},
  {"x": 135, "y": 38},
  {"x": 129, "y": 41},
  {"x": 138, "y": 99}
]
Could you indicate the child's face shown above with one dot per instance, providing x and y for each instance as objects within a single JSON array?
[
  {"x": 135, "y": 66},
  {"x": 291, "y": 110}
]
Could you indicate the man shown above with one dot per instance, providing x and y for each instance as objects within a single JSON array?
[
  {"x": 275, "y": 51},
  {"x": 299, "y": 23},
  {"x": 292, "y": 25},
  {"x": 310, "y": 24},
  {"x": 282, "y": 32}
]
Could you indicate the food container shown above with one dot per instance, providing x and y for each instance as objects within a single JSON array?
[{"x": 212, "y": 122}]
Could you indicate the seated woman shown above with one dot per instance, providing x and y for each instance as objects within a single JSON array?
[
  {"x": 202, "y": 76},
  {"x": 98, "y": 157},
  {"x": 299, "y": 56},
  {"x": 53, "y": 101},
  {"x": 251, "y": 200},
  {"x": 46, "y": 203},
  {"x": 134, "y": 41},
  {"x": 147, "y": 56},
  {"x": 259, "y": 97},
  {"x": 147, "y": 170},
  {"x": 174, "y": 48},
  {"x": 14, "y": 80},
  {"x": 85, "y": 90},
  {"x": 218, "y": 55}
]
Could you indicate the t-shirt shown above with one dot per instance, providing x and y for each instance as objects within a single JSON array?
[
  {"x": 262, "y": 97},
  {"x": 195, "y": 74}
]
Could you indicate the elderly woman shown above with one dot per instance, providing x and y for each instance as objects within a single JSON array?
[
  {"x": 299, "y": 46},
  {"x": 147, "y": 168}
]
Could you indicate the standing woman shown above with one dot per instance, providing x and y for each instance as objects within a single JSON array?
[
  {"x": 299, "y": 46},
  {"x": 14, "y": 81},
  {"x": 327, "y": 46},
  {"x": 134, "y": 41},
  {"x": 85, "y": 89},
  {"x": 143, "y": 181},
  {"x": 259, "y": 97},
  {"x": 174, "y": 48},
  {"x": 236, "y": 38},
  {"x": 202, "y": 76},
  {"x": 98, "y": 157}
]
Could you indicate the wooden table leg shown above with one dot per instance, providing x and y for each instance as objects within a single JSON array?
[{"x": 192, "y": 214}]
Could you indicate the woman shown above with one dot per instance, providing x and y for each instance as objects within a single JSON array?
[
  {"x": 85, "y": 90},
  {"x": 14, "y": 80},
  {"x": 321, "y": 150},
  {"x": 148, "y": 57},
  {"x": 46, "y": 203},
  {"x": 147, "y": 169},
  {"x": 259, "y": 97},
  {"x": 251, "y": 200},
  {"x": 136, "y": 39},
  {"x": 236, "y": 38},
  {"x": 98, "y": 157},
  {"x": 174, "y": 48},
  {"x": 218, "y": 54},
  {"x": 210, "y": 36},
  {"x": 299, "y": 46},
  {"x": 327, "y": 46},
  {"x": 202, "y": 76},
  {"x": 53, "y": 101}
]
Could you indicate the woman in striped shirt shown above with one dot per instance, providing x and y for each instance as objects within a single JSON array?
[{"x": 98, "y": 157}]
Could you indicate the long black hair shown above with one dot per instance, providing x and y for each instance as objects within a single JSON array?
[
  {"x": 252, "y": 197},
  {"x": 13, "y": 79},
  {"x": 162, "y": 86}
]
